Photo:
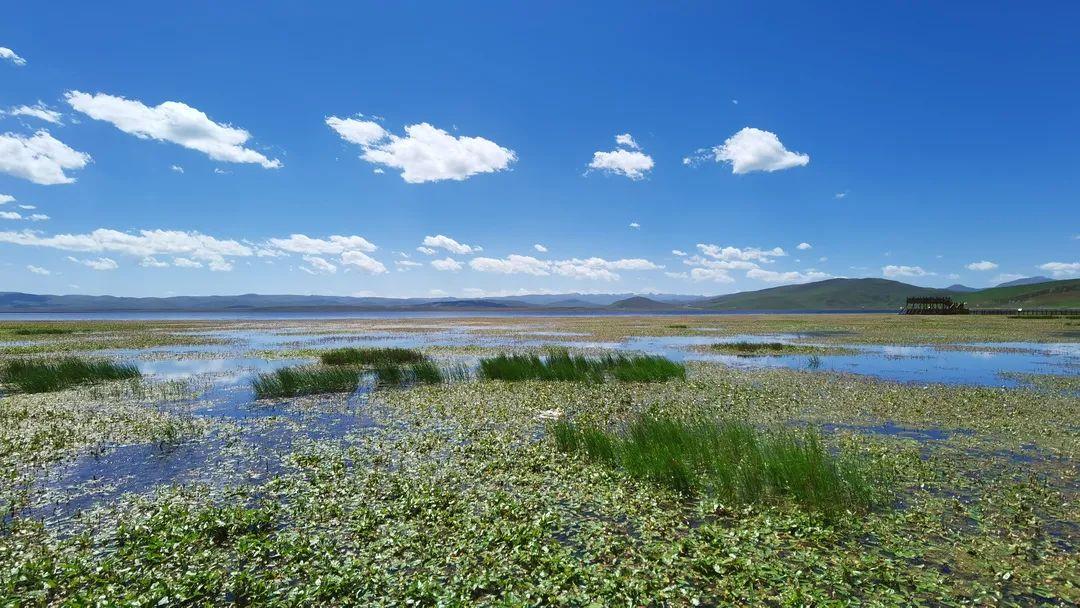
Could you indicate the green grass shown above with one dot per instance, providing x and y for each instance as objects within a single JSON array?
[
  {"x": 759, "y": 349},
  {"x": 561, "y": 366},
  {"x": 423, "y": 372},
  {"x": 305, "y": 380},
  {"x": 731, "y": 461},
  {"x": 43, "y": 375},
  {"x": 371, "y": 356}
]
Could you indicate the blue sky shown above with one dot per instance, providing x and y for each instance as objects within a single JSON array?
[{"x": 925, "y": 142}]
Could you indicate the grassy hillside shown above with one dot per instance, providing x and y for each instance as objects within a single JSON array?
[
  {"x": 882, "y": 294},
  {"x": 833, "y": 294},
  {"x": 1053, "y": 294}
]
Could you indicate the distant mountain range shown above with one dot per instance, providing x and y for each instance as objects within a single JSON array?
[{"x": 831, "y": 294}]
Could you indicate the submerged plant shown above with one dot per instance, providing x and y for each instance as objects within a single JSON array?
[
  {"x": 42, "y": 376},
  {"x": 562, "y": 366},
  {"x": 731, "y": 461},
  {"x": 371, "y": 356},
  {"x": 305, "y": 380}
]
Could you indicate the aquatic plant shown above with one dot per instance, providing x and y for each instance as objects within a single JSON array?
[
  {"x": 731, "y": 461},
  {"x": 43, "y": 375},
  {"x": 422, "y": 372},
  {"x": 370, "y": 356},
  {"x": 561, "y": 366},
  {"x": 755, "y": 349},
  {"x": 305, "y": 380}
]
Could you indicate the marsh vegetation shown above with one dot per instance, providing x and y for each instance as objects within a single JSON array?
[
  {"x": 562, "y": 366},
  {"x": 46, "y": 375}
]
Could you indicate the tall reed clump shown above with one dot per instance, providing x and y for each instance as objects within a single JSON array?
[
  {"x": 371, "y": 356},
  {"x": 42, "y": 375},
  {"x": 562, "y": 366},
  {"x": 731, "y": 461},
  {"x": 305, "y": 380}
]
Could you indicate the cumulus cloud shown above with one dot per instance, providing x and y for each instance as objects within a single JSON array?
[
  {"x": 405, "y": 265},
  {"x": 186, "y": 263},
  {"x": 141, "y": 244},
  {"x": 752, "y": 150},
  {"x": 40, "y": 158},
  {"x": 745, "y": 254},
  {"x": 10, "y": 55},
  {"x": 96, "y": 263},
  {"x": 803, "y": 246},
  {"x": 628, "y": 160},
  {"x": 426, "y": 250},
  {"x": 363, "y": 261},
  {"x": 38, "y": 270},
  {"x": 39, "y": 111},
  {"x": 680, "y": 253},
  {"x": 176, "y": 169},
  {"x": 425, "y": 153},
  {"x": 718, "y": 275},
  {"x": 770, "y": 276},
  {"x": 893, "y": 271},
  {"x": 590, "y": 268},
  {"x": 440, "y": 241},
  {"x": 174, "y": 122},
  {"x": 6, "y": 198},
  {"x": 10, "y": 215},
  {"x": 317, "y": 265},
  {"x": 983, "y": 265},
  {"x": 331, "y": 245},
  {"x": 635, "y": 225},
  {"x": 1062, "y": 269},
  {"x": 152, "y": 262},
  {"x": 540, "y": 248},
  {"x": 447, "y": 264}
]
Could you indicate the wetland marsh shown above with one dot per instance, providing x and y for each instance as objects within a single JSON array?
[{"x": 629, "y": 460}]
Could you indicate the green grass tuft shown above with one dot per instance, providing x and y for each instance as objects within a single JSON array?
[
  {"x": 731, "y": 461},
  {"x": 371, "y": 356},
  {"x": 42, "y": 376},
  {"x": 561, "y": 366},
  {"x": 305, "y": 380}
]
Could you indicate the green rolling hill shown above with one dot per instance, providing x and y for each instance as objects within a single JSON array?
[{"x": 883, "y": 294}]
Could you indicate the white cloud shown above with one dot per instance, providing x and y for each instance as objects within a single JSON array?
[
  {"x": 735, "y": 253},
  {"x": 363, "y": 261},
  {"x": 38, "y": 270},
  {"x": 96, "y": 264},
  {"x": 447, "y": 264},
  {"x": 405, "y": 265},
  {"x": 540, "y": 248},
  {"x": 39, "y": 111},
  {"x": 627, "y": 140},
  {"x": 512, "y": 264},
  {"x": 842, "y": 194},
  {"x": 793, "y": 276},
  {"x": 332, "y": 245},
  {"x": 444, "y": 242},
  {"x": 10, "y": 215},
  {"x": 317, "y": 265},
  {"x": 635, "y": 225},
  {"x": 28, "y": 207},
  {"x": 142, "y": 244},
  {"x": 718, "y": 275},
  {"x": 1005, "y": 277},
  {"x": 628, "y": 161},
  {"x": 174, "y": 122},
  {"x": 37, "y": 217},
  {"x": 41, "y": 158},
  {"x": 425, "y": 153},
  {"x": 678, "y": 252},
  {"x": 152, "y": 262},
  {"x": 590, "y": 268},
  {"x": 752, "y": 150},
  {"x": 6, "y": 198},
  {"x": 426, "y": 250},
  {"x": 893, "y": 271},
  {"x": 176, "y": 169},
  {"x": 15, "y": 215},
  {"x": 10, "y": 55},
  {"x": 1062, "y": 269},
  {"x": 983, "y": 265},
  {"x": 804, "y": 246},
  {"x": 186, "y": 263}
]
